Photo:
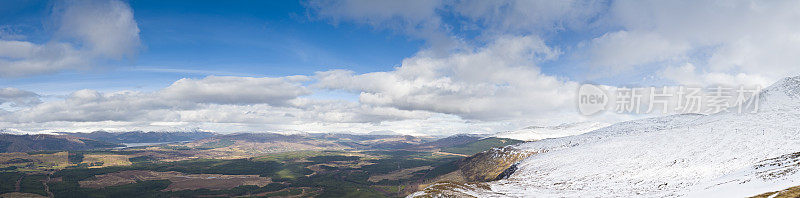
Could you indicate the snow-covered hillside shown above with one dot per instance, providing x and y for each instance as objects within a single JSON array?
[
  {"x": 534, "y": 133},
  {"x": 719, "y": 155}
]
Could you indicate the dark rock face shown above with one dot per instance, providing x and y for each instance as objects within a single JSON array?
[
  {"x": 506, "y": 173},
  {"x": 491, "y": 164}
]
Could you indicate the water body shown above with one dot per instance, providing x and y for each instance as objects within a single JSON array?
[{"x": 149, "y": 143}]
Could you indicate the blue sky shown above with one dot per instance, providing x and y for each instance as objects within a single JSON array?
[
  {"x": 191, "y": 39},
  {"x": 418, "y": 67}
]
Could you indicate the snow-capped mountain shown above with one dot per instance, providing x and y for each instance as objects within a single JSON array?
[
  {"x": 534, "y": 133},
  {"x": 690, "y": 155}
]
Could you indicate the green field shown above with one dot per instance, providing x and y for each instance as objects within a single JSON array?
[
  {"x": 338, "y": 179},
  {"x": 479, "y": 146},
  {"x": 373, "y": 166}
]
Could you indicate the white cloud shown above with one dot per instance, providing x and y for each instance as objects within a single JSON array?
[
  {"x": 417, "y": 18},
  {"x": 106, "y": 28},
  {"x": 704, "y": 43},
  {"x": 428, "y": 94},
  {"x": 688, "y": 75},
  {"x": 378, "y": 12},
  {"x": 17, "y": 97},
  {"x": 168, "y": 104},
  {"x": 261, "y": 104},
  {"x": 622, "y": 50},
  {"x": 9, "y": 33},
  {"x": 236, "y": 90},
  {"x": 499, "y": 81},
  {"x": 87, "y": 32},
  {"x": 436, "y": 21},
  {"x": 730, "y": 41},
  {"x": 524, "y": 16},
  {"x": 90, "y": 105},
  {"x": 20, "y": 58}
]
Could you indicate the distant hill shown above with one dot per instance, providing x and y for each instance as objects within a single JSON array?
[
  {"x": 27, "y": 143},
  {"x": 453, "y": 140},
  {"x": 534, "y": 133},
  {"x": 352, "y": 141},
  {"x": 480, "y": 145},
  {"x": 142, "y": 137},
  {"x": 351, "y": 137},
  {"x": 263, "y": 137}
]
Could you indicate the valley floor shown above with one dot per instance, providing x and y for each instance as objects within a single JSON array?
[{"x": 231, "y": 166}]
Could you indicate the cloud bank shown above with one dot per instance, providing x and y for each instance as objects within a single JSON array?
[{"x": 489, "y": 66}]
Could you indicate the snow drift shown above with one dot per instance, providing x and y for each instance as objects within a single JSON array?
[{"x": 534, "y": 133}]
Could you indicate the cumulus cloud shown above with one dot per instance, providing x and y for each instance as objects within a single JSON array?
[
  {"x": 380, "y": 12},
  {"x": 499, "y": 81},
  {"x": 524, "y": 16},
  {"x": 417, "y": 18},
  {"x": 634, "y": 39},
  {"x": 18, "y": 98},
  {"x": 687, "y": 74},
  {"x": 236, "y": 90},
  {"x": 164, "y": 105},
  {"x": 90, "y": 105},
  {"x": 622, "y": 50},
  {"x": 439, "y": 22},
  {"x": 86, "y": 32},
  {"x": 722, "y": 40},
  {"x": 686, "y": 42},
  {"x": 217, "y": 102}
]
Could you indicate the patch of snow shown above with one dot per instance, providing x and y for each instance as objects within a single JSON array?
[
  {"x": 14, "y": 131},
  {"x": 534, "y": 133}
]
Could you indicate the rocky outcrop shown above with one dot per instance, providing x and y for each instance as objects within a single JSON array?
[{"x": 489, "y": 165}]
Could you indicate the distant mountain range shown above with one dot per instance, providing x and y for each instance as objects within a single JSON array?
[
  {"x": 94, "y": 140},
  {"x": 534, "y": 133},
  {"x": 461, "y": 144},
  {"x": 27, "y": 143},
  {"x": 458, "y": 139},
  {"x": 142, "y": 137}
]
